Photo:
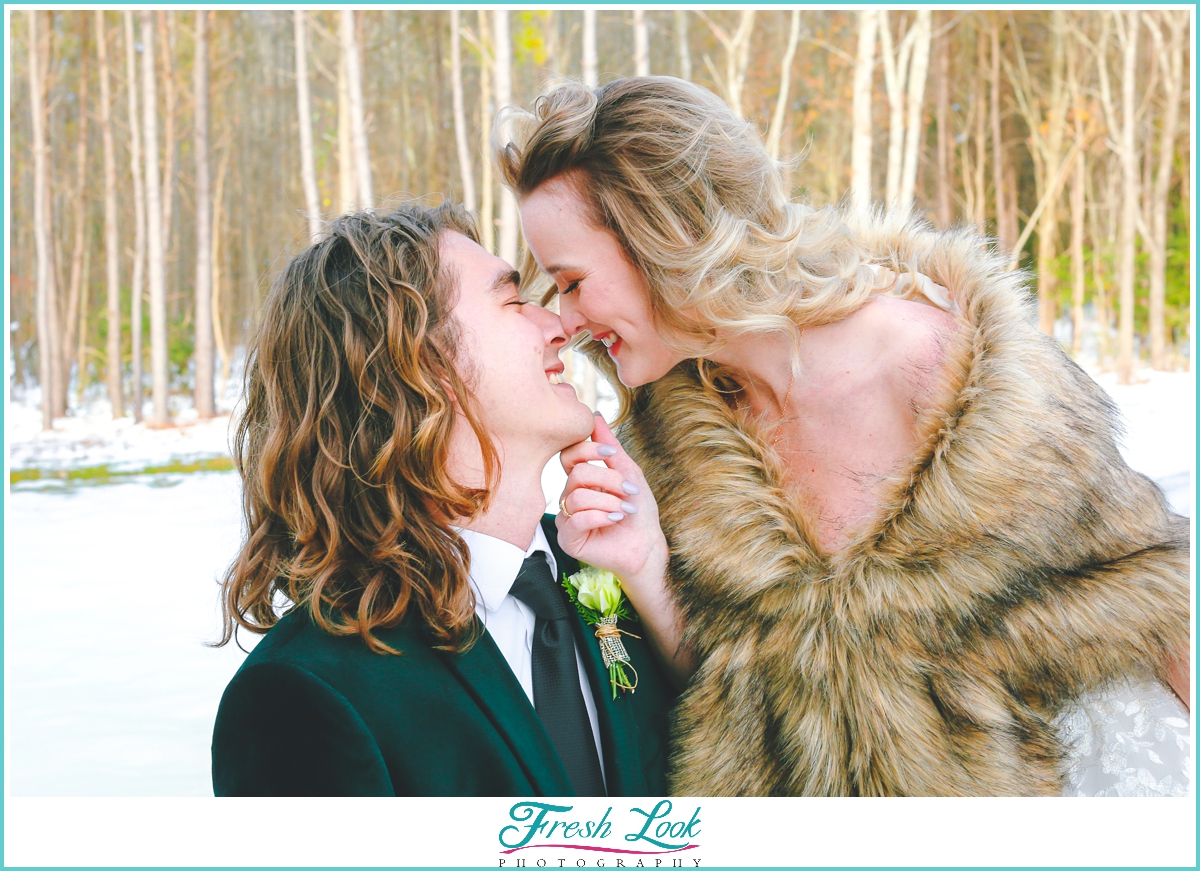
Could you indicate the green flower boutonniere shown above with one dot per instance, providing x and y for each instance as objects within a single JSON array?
[{"x": 600, "y": 601}]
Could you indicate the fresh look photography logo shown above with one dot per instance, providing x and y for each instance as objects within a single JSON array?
[{"x": 634, "y": 838}]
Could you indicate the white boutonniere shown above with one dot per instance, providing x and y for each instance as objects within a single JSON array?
[{"x": 600, "y": 601}]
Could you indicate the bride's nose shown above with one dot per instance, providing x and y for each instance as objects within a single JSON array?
[{"x": 573, "y": 320}]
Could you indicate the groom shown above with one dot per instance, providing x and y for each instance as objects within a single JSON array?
[{"x": 402, "y": 404}]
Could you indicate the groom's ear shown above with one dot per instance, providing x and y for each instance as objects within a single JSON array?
[
  {"x": 451, "y": 395},
  {"x": 444, "y": 370}
]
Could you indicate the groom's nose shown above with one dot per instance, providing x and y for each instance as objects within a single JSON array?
[{"x": 548, "y": 322}]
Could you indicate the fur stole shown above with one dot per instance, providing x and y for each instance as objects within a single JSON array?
[{"x": 1018, "y": 562}]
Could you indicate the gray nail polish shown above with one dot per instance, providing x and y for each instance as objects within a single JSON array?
[
  {"x": 616, "y": 515},
  {"x": 631, "y": 489},
  {"x": 629, "y": 508},
  {"x": 606, "y": 450}
]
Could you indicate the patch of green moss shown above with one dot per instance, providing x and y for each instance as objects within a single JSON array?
[{"x": 104, "y": 474}]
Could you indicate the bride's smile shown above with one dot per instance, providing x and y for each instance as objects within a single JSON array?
[{"x": 599, "y": 290}]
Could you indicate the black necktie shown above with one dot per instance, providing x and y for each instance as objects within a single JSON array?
[{"x": 556, "y": 694}]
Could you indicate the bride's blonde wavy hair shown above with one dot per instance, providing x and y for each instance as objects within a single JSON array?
[{"x": 697, "y": 204}]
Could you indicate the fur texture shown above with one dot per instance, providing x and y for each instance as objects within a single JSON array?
[{"x": 1018, "y": 562}]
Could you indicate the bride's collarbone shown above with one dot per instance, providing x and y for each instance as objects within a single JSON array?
[
  {"x": 834, "y": 498},
  {"x": 838, "y": 458}
]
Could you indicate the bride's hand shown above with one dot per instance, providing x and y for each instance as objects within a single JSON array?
[
  {"x": 610, "y": 518},
  {"x": 611, "y": 521}
]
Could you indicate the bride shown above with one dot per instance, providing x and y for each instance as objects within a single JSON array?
[{"x": 906, "y": 556}]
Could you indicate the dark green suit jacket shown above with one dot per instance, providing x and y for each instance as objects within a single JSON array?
[{"x": 310, "y": 713}]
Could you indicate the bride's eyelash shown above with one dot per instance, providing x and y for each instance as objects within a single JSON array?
[{"x": 570, "y": 288}]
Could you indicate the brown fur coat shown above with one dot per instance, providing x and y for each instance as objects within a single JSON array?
[{"x": 1017, "y": 563}]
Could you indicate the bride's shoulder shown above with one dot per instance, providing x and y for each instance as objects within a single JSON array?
[
  {"x": 902, "y": 318},
  {"x": 902, "y": 343}
]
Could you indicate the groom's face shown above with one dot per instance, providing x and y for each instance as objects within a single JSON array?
[{"x": 509, "y": 356}]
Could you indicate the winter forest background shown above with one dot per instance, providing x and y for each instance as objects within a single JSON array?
[{"x": 164, "y": 164}]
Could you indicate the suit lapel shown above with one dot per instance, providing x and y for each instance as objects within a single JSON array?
[
  {"x": 485, "y": 675},
  {"x": 618, "y": 731}
]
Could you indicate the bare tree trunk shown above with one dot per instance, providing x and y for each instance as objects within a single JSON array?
[
  {"x": 1048, "y": 228},
  {"x": 1171, "y": 61},
  {"x": 737, "y": 60},
  {"x": 502, "y": 71},
  {"x": 860, "y": 149},
  {"x": 1101, "y": 252},
  {"x": 347, "y": 180},
  {"x": 682, "y": 48},
  {"x": 962, "y": 154},
  {"x": 358, "y": 123},
  {"x": 431, "y": 113},
  {"x": 460, "y": 117},
  {"x": 1078, "y": 204},
  {"x": 1045, "y": 115},
  {"x": 205, "y": 405},
  {"x": 914, "y": 132},
  {"x": 591, "y": 75},
  {"x": 112, "y": 249},
  {"x": 154, "y": 228},
  {"x": 166, "y": 30},
  {"x": 785, "y": 81},
  {"x": 641, "y": 44},
  {"x": 215, "y": 302},
  {"x": 945, "y": 207},
  {"x": 980, "y": 216},
  {"x": 895, "y": 76},
  {"x": 137, "y": 170},
  {"x": 1052, "y": 188},
  {"x": 75, "y": 284},
  {"x": 1078, "y": 283},
  {"x": 308, "y": 172},
  {"x": 1126, "y": 243},
  {"x": 1003, "y": 241},
  {"x": 487, "y": 226},
  {"x": 47, "y": 345},
  {"x": 81, "y": 323},
  {"x": 58, "y": 260}
]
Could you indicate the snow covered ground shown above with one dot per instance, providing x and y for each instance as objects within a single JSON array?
[
  {"x": 1160, "y": 429},
  {"x": 111, "y": 592},
  {"x": 91, "y": 437},
  {"x": 110, "y": 596}
]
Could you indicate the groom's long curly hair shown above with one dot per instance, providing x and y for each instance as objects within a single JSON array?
[{"x": 351, "y": 395}]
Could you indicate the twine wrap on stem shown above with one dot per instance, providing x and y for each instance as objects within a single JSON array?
[{"x": 613, "y": 652}]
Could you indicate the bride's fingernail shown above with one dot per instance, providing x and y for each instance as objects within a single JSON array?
[
  {"x": 629, "y": 508},
  {"x": 606, "y": 450},
  {"x": 631, "y": 489},
  {"x": 616, "y": 515}
]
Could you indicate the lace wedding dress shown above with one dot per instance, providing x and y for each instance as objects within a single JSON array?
[{"x": 1127, "y": 739}]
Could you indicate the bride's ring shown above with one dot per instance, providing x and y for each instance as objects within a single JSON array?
[{"x": 562, "y": 506}]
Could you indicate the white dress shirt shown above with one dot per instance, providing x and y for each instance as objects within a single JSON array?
[{"x": 494, "y": 568}]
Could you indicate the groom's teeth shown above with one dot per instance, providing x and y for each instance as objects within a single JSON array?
[
  {"x": 555, "y": 378},
  {"x": 607, "y": 341}
]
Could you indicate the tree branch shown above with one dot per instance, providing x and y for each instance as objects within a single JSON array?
[{"x": 1051, "y": 192}]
